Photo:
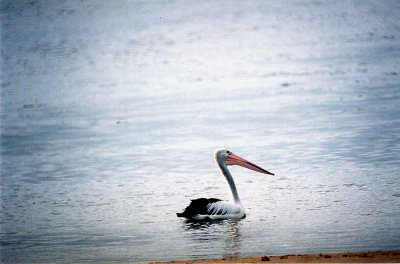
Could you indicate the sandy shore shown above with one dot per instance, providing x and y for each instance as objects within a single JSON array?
[{"x": 390, "y": 256}]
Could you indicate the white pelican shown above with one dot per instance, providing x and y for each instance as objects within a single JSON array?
[{"x": 212, "y": 208}]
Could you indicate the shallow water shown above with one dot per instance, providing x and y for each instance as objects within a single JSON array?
[{"x": 111, "y": 112}]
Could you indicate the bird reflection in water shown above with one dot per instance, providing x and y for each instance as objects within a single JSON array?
[{"x": 223, "y": 235}]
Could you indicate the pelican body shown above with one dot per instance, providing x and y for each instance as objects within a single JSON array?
[{"x": 204, "y": 209}]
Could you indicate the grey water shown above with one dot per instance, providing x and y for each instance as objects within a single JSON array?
[{"x": 111, "y": 112}]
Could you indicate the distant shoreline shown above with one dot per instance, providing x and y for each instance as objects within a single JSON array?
[{"x": 384, "y": 256}]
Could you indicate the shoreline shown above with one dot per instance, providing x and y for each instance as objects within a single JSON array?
[{"x": 384, "y": 256}]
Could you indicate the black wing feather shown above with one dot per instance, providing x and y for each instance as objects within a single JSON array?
[{"x": 197, "y": 206}]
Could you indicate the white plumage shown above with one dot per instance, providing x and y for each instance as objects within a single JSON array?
[{"x": 221, "y": 210}]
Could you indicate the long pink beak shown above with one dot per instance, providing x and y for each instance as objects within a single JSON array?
[{"x": 234, "y": 159}]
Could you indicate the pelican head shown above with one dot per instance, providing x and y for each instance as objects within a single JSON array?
[{"x": 224, "y": 156}]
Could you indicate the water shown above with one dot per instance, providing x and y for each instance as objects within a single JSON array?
[{"x": 111, "y": 112}]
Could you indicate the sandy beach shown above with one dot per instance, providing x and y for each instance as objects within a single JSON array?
[{"x": 389, "y": 256}]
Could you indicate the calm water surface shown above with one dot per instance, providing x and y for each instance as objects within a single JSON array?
[{"x": 111, "y": 112}]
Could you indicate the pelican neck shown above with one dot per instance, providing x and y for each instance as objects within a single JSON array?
[{"x": 229, "y": 179}]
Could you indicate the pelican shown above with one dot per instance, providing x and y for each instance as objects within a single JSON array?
[{"x": 213, "y": 209}]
